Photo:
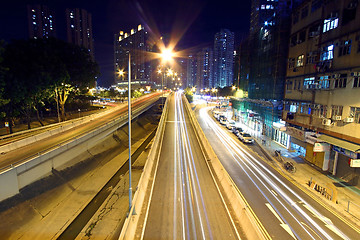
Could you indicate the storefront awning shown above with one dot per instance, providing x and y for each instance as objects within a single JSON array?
[{"x": 340, "y": 143}]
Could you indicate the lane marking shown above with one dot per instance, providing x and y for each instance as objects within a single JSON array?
[
  {"x": 282, "y": 223},
  {"x": 274, "y": 192},
  {"x": 274, "y": 212}
]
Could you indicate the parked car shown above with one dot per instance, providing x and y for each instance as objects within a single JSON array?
[
  {"x": 223, "y": 120},
  {"x": 245, "y": 137},
  {"x": 216, "y": 115},
  {"x": 230, "y": 124},
  {"x": 236, "y": 130}
]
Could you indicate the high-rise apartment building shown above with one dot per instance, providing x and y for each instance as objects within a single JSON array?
[
  {"x": 204, "y": 76},
  {"x": 79, "y": 29},
  {"x": 223, "y": 58},
  {"x": 262, "y": 63},
  {"x": 136, "y": 44},
  {"x": 41, "y": 21},
  {"x": 191, "y": 70},
  {"x": 322, "y": 107}
]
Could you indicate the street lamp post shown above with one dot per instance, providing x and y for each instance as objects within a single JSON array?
[{"x": 129, "y": 123}]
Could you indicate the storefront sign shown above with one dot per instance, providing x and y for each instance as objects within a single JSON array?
[
  {"x": 355, "y": 163},
  {"x": 321, "y": 147},
  {"x": 297, "y": 133}
]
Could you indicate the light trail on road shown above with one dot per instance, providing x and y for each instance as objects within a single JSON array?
[
  {"x": 192, "y": 194},
  {"x": 293, "y": 213},
  {"x": 185, "y": 202}
]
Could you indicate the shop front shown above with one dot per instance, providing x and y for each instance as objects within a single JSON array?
[
  {"x": 297, "y": 140},
  {"x": 346, "y": 155},
  {"x": 279, "y": 134}
]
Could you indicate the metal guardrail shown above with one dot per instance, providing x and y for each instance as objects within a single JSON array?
[{"x": 348, "y": 206}]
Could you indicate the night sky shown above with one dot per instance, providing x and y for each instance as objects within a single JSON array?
[{"x": 195, "y": 21}]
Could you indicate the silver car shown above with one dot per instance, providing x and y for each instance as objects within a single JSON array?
[{"x": 245, "y": 138}]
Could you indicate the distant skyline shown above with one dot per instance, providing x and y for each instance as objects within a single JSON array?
[{"x": 197, "y": 21}]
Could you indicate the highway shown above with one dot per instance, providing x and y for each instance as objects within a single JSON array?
[
  {"x": 185, "y": 202},
  {"x": 29, "y": 151},
  {"x": 282, "y": 209}
]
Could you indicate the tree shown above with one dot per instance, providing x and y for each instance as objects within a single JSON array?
[
  {"x": 80, "y": 68},
  {"x": 40, "y": 68},
  {"x": 32, "y": 70},
  {"x": 189, "y": 94},
  {"x": 3, "y": 70}
]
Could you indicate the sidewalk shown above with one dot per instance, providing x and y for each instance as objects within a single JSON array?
[{"x": 313, "y": 181}]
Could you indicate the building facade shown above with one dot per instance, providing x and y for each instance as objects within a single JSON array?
[
  {"x": 191, "y": 71},
  {"x": 204, "y": 76},
  {"x": 262, "y": 69},
  {"x": 136, "y": 44},
  {"x": 79, "y": 29},
  {"x": 322, "y": 107},
  {"x": 223, "y": 58},
  {"x": 41, "y": 21}
]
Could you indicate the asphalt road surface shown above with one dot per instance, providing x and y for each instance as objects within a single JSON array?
[
  {"x": 284, "y": 210},
  {"x": 185, "y": 202}
]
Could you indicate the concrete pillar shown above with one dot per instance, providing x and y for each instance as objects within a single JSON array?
[{"x": 335, "y": 163}]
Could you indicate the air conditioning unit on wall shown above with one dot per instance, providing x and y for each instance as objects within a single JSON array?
[
  {"x": 336, "y": 118},
  {"x": 326, "y": 122},
  {"x": 349, "y": 120}
]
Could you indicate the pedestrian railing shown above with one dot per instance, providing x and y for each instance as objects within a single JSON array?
[{"x": 354, "y": 207}]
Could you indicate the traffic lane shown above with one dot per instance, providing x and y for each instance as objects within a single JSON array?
[
  {"x": 28, "y": 151},
  {"x": 300, "y": 210},
  {"x": 298, "y": 203},
  {"x": 220, "y": 225},
  {"x": 160, "y": 220},
  {"x": 248, "y": 189}
]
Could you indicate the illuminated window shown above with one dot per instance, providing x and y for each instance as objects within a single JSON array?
[
  {"x": 330, "y": 23},
  {"x": 328, "y": 53},
  {"x": 309, "y": 82},
  {"x": 300, "y": 61}
]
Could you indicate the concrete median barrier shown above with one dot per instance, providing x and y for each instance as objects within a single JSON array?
[{"x": 243, "y": 212}]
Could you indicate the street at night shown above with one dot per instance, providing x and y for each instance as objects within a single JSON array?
[{"x": 188, "y": 119}]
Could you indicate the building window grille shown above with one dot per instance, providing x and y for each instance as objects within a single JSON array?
[
  {"x": 355, "y": 113},
  {"x": 305, "y": 108},
  {"x": 291, "y": 63},
  {"x": 356, "y": 82},
  {"x": 289, "y": 85},
  {"x": 330, "y": 23},
  {"x": 321, "y": 111},
  {"x": 336, "y": 110},
  {"x": 340, "y": 82},
  {"x": 309, "y": 83},
  {"x": 345, "y": 48},
  {"x": 328, "y": 53}
]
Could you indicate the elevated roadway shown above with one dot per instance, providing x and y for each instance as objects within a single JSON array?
[{"x": 185, "y": 202}]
